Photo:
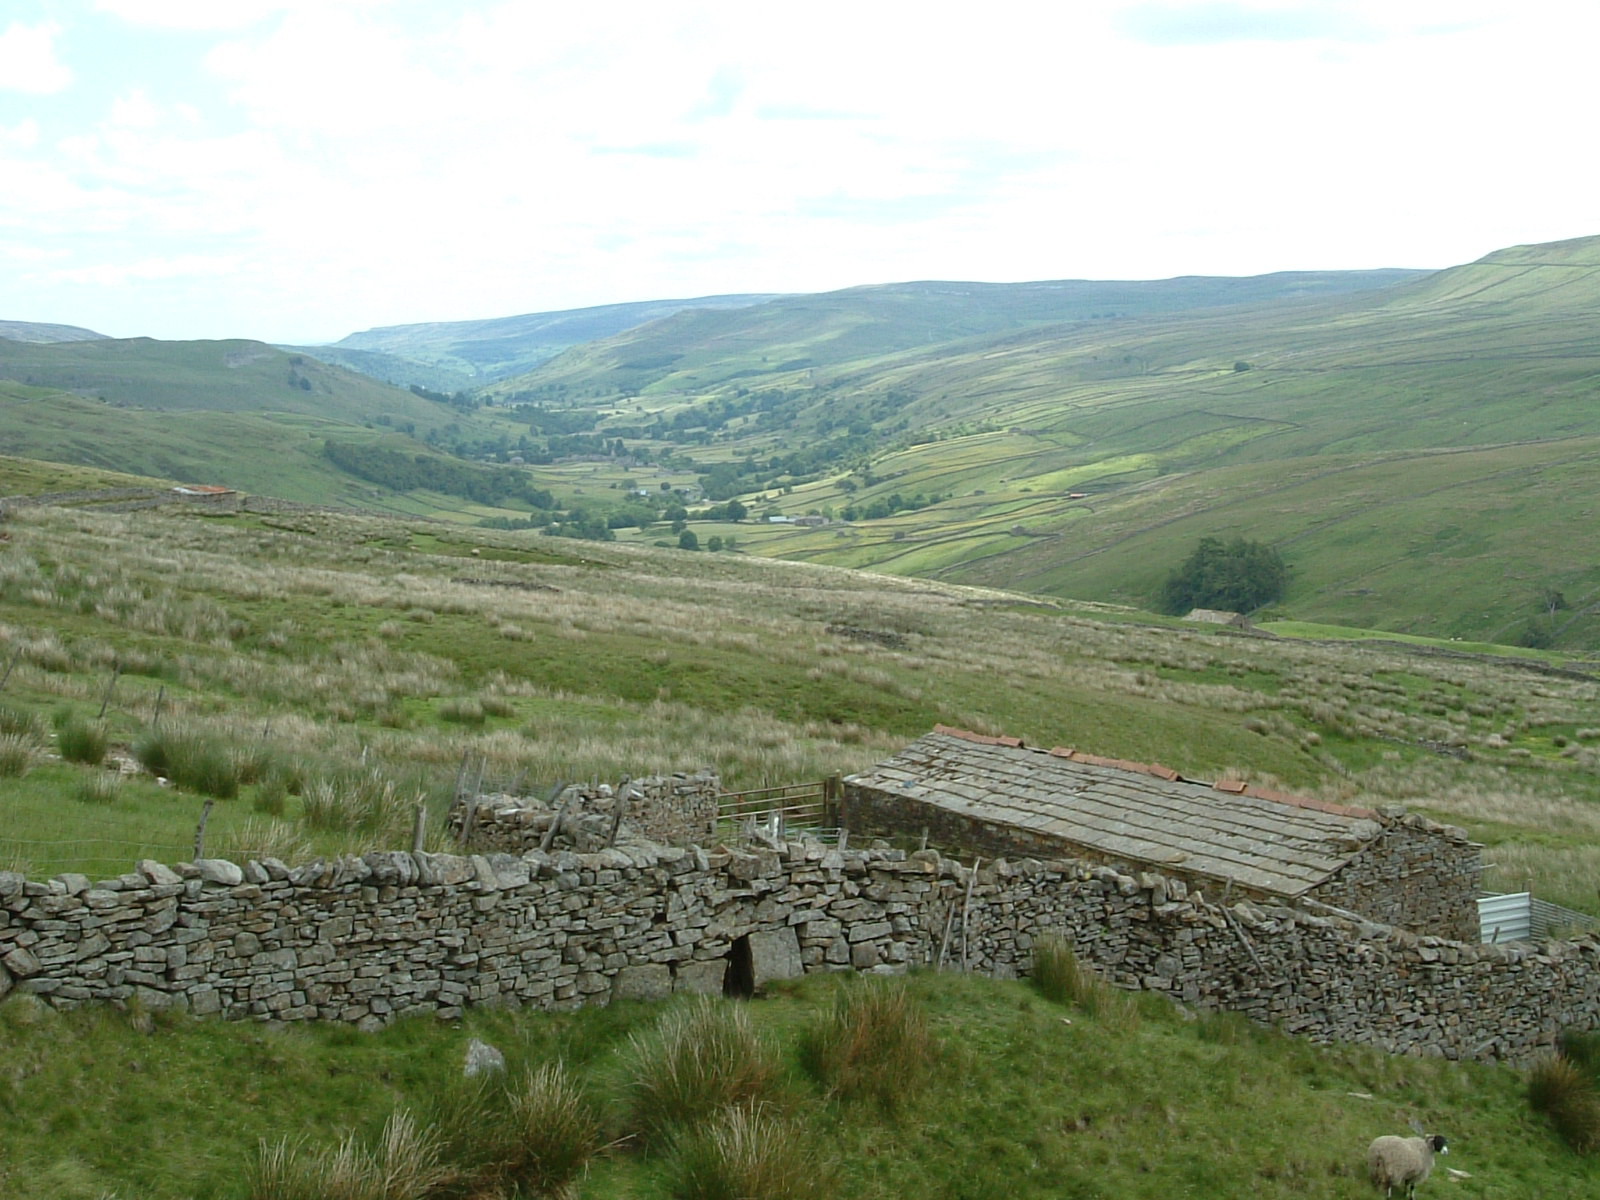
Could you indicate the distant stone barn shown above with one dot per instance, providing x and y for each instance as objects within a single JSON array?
[{"x": 995, "y": 796}]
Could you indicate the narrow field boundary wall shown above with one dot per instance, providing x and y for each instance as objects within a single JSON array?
[{"x": 366, "y": 939}]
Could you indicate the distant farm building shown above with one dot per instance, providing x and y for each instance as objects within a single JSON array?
[
  {"x": 203, "y": 491},
  {"x": 1217, "y": 616},
  {"x": 995, "y": 796}
]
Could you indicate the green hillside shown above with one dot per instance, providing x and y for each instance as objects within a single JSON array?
[
  {"x": 457, "y": 354},
  {"x": 323, "y": 654},
  {"x": 1087, "y": 459},
  {"x": 697, "y": 349},
  {"x": 209, "y": 376}
]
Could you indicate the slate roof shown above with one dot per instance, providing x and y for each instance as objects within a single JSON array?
[{"x": 1135, "y": 813}]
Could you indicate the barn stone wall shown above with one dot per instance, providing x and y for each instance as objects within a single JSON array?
[
  {"x": 366, "y": 939},
  {"x": 1417, "y": 874}
]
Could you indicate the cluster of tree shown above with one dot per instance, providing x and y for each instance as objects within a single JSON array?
[
  {"x": 558, "y": 420},
  {"x": 464, "y": 401},
  {"x": 404, "y": 472},
  {"x": 887, "y": 506},
  {"x": 1235, "y": 576}
]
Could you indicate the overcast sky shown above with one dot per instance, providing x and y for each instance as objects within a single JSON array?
[{"x": 296, "y": 170}]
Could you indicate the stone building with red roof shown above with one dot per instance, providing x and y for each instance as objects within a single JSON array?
[{"x": 997, "y": 797}]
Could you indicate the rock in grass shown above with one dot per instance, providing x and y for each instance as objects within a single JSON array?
[{"x": 482, "y": 1058}]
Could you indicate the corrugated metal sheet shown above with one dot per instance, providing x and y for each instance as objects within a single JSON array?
[
  {"x": 1505, "y": 918},
  {"x": 1283, "y": 849}
]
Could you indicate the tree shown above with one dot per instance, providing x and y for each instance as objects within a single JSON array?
[
  {"x": 1236, "y": 576},
  {"x": 688, "y": 540}
]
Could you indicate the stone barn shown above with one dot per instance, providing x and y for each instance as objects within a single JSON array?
[{"x": 995, "y": 796}]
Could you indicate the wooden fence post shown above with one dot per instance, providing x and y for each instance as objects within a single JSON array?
[
  {"x": 200, "y": 831},
  {"x": 116, "y": 674}
]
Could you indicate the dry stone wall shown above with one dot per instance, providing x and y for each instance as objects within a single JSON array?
[
  {"x": 1416, "y": 874},
  {"x": 366, "y": 939},
  {"x": 675, "y": 810}
]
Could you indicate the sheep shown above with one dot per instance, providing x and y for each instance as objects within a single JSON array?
[{"x": 1393, "y": 1161}]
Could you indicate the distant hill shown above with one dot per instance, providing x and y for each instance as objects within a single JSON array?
[
  {"x": 450, "y": 355},
  {"x": 700, "y": 348},
  {"x": 35, "y": 331},
  {"x": 212, "y": 376},
  {"x": 238, "y": 413},
  {"x": 1424, "y": 454}
]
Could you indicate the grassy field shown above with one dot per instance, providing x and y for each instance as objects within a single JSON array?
[
  {"x": 323, "y": 648},
  {"x": 315, "y": 675},
  {"x": 1001, "y": 1092}
]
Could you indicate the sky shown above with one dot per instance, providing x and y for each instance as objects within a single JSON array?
[{"x": 297, "y": 170}]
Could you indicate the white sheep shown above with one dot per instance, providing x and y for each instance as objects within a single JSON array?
[{"x": 1393, "y": 1161}]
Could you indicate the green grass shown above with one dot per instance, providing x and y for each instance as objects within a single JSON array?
[
  {"x": 296, "y": 642},
  {"x": 1021, "y": 1102}
]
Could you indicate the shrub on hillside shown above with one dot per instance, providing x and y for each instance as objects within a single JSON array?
[{"x": 872, "y": 1043}]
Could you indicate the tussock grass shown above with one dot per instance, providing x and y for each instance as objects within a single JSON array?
[
  {"x": 258, "y": 839},
  {"x": 18, "y": 754},
  {"x": 367, "y": 803},
  {"x": 82, "y": 741},
  {"x": 1567, "y": 1095},
  {"x": 1061, "y": 976},
  {"x": 21, "y": 721},
  {"x": 403, "y": 1165},
  {"x": 99, "y": 787},
  {"x": 750, "y": 1154},
  {"x": 873, "y": 1043},
  {"x": 533, "y": 1134},
  {"x": 699, "y": 1061},
  {"x": 195, "y": 761}
]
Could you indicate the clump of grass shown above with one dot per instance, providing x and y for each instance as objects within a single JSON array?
[
  {"x": 18, "y": 754},
  {"x": 20, "y": 721},
  {"x": 368, "y": 803},
  {"x": 272, "y": 794},
  {"x": 1060, "y": 976},
  {"x": 82, "y": 741},
  {"x": 99, "y": 787},
  {"x": 495, "y": 705},
  {"x": 193, "y": 761},
  {"x": 403, "y": 1166},
  {"x": 534, "y": 1135},
  {"x": 697, "y": 1062},
  {"x": 872, "y": 1043},
  {"x": 260, "y": 839},
  {"x": 463, "y": 710},
  {"x": 749, "y": 1154},
  {"x": 1566, "y": 1094}
]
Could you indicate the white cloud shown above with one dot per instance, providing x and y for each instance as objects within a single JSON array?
[
  {"x": 183, "y": 266},
  {"x": 28, "y": 61}
]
